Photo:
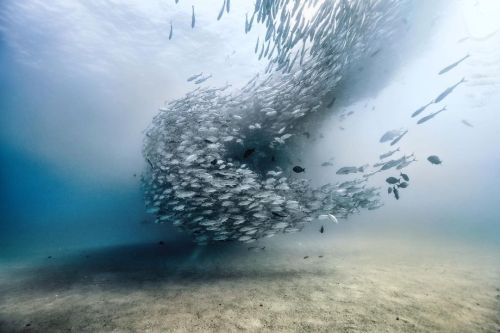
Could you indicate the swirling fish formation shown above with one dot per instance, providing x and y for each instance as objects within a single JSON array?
[{"x": 216, "y": 160}]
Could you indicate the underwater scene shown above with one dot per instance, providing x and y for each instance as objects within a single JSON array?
[{"x": 250, "y": 166}]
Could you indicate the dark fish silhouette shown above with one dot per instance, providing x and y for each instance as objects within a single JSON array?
[
  {"x": 150, "y": 163},
  {"x": 434, "y": 159},
  {"x": 248, "y": 152},
  {"x": 193, "y": 18},
  {"x": 392, "y": 180},
  {"x": 322, "y": 229},
  {"x": 171, "y": 31},
  {"x": 222, "y": 11},
  {"x": 403, "y": 185},
  {"x": 298, "y": 169},
  {"x": 453, "y": 65},
  {"x": 396, "y": 193},
  {"x": 405, "y": 177},
  {"x": 278, "y": 214}
]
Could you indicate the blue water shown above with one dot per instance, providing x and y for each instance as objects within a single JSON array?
[{"x": 75, "y": 99}]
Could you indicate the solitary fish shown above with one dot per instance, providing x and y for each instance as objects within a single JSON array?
[
  {"x": 171, "y": 31},
  {"x": 396, "y": 193},
  {"x": 455, "y": 64},
  {"x": 203, "y": 79},
  {"x": 193, "y": 18},
  {"x": 389, "y": 153},
  {"x": 194, "y": 77},
  {"x": 298, "y": 169},
  {"x": 448, "y": 91},
  {"x": 222, "y": 11},
  {"x": 322, "y": 229},
  {"x": 392, "y": 180},
  {"x": 466, "y": 123},
  {"x": 434, "y": 159},
  {"x": 421, "y": 109},
  {"x": 432, "y": 115}
]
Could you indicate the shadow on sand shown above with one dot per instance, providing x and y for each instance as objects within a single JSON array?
[{"x": 134, "y": 267}]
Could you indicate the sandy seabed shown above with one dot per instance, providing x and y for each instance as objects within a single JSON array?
[{"x": 293, "y": 285}]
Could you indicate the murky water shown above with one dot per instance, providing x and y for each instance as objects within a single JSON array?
[{"x": 116, "y": 116}]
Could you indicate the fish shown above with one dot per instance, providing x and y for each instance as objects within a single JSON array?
[
  {"x": 389, "y": 190},
  {"x": 392, "y": 180},
  {"x": 403, "y": 185},
  {"x": 396, "y": 193},
  {"x": 256, "y": 248},
  {"x": 196, "y": 177},
  {"x": 466, "y": 123},
  {"x": 434, "y": 159},
  {"x": 430, "y": 116},
  {"x": 405, "y": 177},
  {"x": 390, "y": 135},
  {"x": 324, "y": 164},
  {"x": 332, "y": 218},
  {"x": 248, "y": 152},
  {"x": 421, "y": 109},
  {"x": 346, "y": 170},
  {"x": 278, "y": 214},
  {"x": 395, "y": 163},
  {"x": 322, "y": 229},
  {"x": 447, "y": 91},
  {"x": 194, "y": 77},
  {"x": 171, "y": 31},
  {"x": 203, "y": 79},
  {"x": 193, "y": 18},
  {"x": 453, "y": 65},
  {"x": 298, "y": 169},
  {"x": 396, "y": 140},
  {"x": 388, "y": 154},
  {"x": 222, "y": 12}
]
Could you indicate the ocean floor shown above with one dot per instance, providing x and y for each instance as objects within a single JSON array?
[{"x": 293, "y": 285}]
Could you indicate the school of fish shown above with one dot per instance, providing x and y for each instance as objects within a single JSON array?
[{"x": 216, "y": 159}]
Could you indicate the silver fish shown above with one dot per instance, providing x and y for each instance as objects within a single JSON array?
[
  {"x": 453, "y": 65},
  {"x": 429, "y": 117}
]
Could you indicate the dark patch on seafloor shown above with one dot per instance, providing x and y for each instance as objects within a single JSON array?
[{"x": 133, "y": 267}]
